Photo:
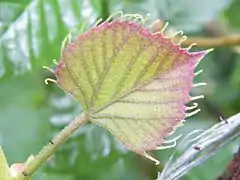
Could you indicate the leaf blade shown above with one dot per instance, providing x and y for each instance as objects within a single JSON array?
[{"x": 143, "y": 86}]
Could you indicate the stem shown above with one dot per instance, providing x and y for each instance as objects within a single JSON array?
[
  {"x": 208, "y": 144},
  {"x": 230, "y": 40},
  {"x": 53, "y": 145}
]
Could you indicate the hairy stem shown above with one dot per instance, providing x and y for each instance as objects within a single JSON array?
[
  {"x": 207, "y": 145},
  {"x": 53, "y": 145}
]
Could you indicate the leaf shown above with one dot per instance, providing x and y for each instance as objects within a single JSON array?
[
  {"x": 4, "y": 169},
  {"x": 29, "y": 38},
  {"x": 130, "y": 81},
  {"x": 187, "y": 15},
  {"x": 232, "y": 14}
]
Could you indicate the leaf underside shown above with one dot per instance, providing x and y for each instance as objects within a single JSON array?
[{"x": 130, "y": 81}]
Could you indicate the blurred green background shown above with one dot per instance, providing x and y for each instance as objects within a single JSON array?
[{"x": 31, "y": 113}]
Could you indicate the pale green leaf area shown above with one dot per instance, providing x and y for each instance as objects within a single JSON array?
[
  {"x": 32, "y": 33},
  {"x": 26, "y": 129},
  {"x": 4, "y": 169},
  {"x": 133, "y": 83}
]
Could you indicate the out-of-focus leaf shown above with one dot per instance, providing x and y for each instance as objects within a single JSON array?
[
  {"x": 24, "y": 127},
  {"x": 182, "y": 14},
  {"x": 32, "y": 35},
  {"x": 232, "y": 14},
  {"x": 235, "y": 80},
  {"x": 101, "y": 7},
  {"x": 187, "y": 15}
]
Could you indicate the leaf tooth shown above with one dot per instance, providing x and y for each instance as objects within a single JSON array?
[
  {"x": 198, "y": 72},
  {"x": 55, "y": 62},
  {"x": 192, "y": 107},
  {"x": 172, "y": 140},
  {"x": 47, "y": 80},
  {"x": 157, "y": 162},
  {"x": 97, "y": 22},
  {"x": 190, "y": 46},
  {"x": 162, "y": 147},
  {"x": 199, "y": 84},
  {"x": 117, "y": 13},
  {"x": 196, "y": 97},
  {"x": 164, "y": 28},
  {"x": 184, "y": 38},
  {"x": 48, "y": 68},
  {"x": 192, "y": 113},
  {"x": 176, "y": 34}
]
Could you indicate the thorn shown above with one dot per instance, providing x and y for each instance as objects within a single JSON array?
[
  {"x": 24, "y": 173},
  {"x": 224, "y": 120},
  {"x": 197, "y": 148}
]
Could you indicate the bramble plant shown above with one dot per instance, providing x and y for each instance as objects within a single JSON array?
[{"x": 131, "y": 81}]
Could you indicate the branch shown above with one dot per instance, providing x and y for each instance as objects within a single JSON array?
[
  {"x": 53, "y": 145},
  {"x": 207, "y": 145},
  {"x": 206, "y": 42},
  {"x": 230, "y": 40}
]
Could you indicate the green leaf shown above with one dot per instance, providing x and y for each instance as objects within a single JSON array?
[
  {"x": 130, "y": 81},
  {"x": 183, "y": 14},
  {"x": 232, "y": 14},
  {"x": 4, "y": 169},
  {"x": 32, "y": 31}
]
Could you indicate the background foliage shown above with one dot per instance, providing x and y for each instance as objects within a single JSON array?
[{"x": 31, "y": 32}]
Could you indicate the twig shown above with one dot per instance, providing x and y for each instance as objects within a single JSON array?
[
  {"x": 208, "y": 143},
  {"x": 53, "y": 145},
  {"x": 207, "y": 42}
]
